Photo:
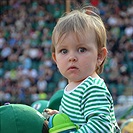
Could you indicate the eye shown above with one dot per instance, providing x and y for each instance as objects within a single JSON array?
[
  {"x": 81, "y": 50},
  {"x": 63, "y": 51}
]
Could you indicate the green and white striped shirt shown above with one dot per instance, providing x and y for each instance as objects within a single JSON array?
[{"x": 90, "y": 105}]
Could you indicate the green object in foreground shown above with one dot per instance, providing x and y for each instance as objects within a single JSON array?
[
  {"x": 61, "y": 123},
  {"x": 18, "y": 118},
  {"x": 40, "y": 105},
  {"x": 55, "y": 100}
]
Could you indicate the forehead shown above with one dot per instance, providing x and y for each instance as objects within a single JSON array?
[{"x": 79, "y": 37}]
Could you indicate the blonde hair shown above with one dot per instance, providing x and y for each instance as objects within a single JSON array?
[{"x": 80, "y": 22}]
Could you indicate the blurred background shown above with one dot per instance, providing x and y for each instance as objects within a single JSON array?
[{"x": 27, "y": 71}]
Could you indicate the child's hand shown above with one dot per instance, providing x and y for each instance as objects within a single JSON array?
[
  {"x": 51, "y": 112},
  {"x": 48, "y": 112}
]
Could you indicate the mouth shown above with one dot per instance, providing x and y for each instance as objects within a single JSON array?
[{"x": 72, "y": 68}]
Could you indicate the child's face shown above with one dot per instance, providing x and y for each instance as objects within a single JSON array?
[{"x": 76, "y": 58}]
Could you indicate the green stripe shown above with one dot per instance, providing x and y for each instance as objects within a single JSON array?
[
  {"x": 74, "y": 103},
  {"x": 70, "y": 106},
  {"x": 94, "y": 125},
  {"x": 101, "y": 126}
]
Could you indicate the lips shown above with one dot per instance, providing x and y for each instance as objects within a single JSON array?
[{"x": 72, "y": 68}]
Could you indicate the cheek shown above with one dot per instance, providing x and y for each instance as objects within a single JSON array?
[
  {"x": 60, "y": 62},
  {"x": 89, "y": 63},
  {"x": 61, "y": 65}
]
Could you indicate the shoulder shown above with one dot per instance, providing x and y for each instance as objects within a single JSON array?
[
  {"x": 93, "y": 87},
  {"x": 90, "y": 82}
]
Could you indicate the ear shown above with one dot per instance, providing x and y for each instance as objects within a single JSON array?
[
  {"x": 101, "y": 56},
  {"x": 54, "y": 57}
]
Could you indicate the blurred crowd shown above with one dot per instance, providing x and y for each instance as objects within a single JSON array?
[{"x": 27, "y": 71}]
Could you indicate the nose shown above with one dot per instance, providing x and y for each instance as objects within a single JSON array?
[{"x": 73, "y": 58}]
